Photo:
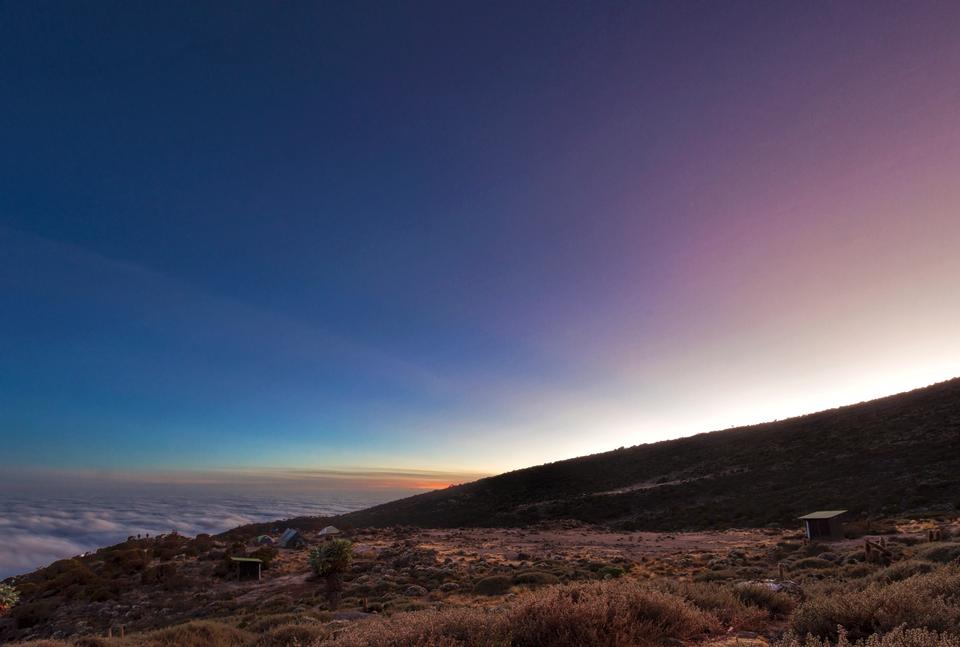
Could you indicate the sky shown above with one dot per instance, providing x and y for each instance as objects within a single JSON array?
[{"x": 429, "y": 241}]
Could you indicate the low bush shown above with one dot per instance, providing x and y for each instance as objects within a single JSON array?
[
  {"x": 131, "y": 560},
  {"x": 617, "y": 613},
  {"x": 611, "y": 572},
  {"x": 930, "y": 601},
  {"x": 902, "y": 570},
  {"x": 536, "y": 578},
  {"x": 776, "y": 603},
  {"x": 200, "y": 633},
  {"x": 719, "y": 600},
  {"x": 493, "y": 585},
  {"x": 940, "y": 552},
  {"x": 811, "y": 563},
  {"x": 292, "y": 635},
  {"x": 899, "y": 637},
  {"x": 8, "y": 597},
  {"x": 259, "y": 624},
  {"x": 604, "y": 614},
  {"x": 266, "y": 554}
]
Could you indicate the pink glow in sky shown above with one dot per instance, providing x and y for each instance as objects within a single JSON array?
[{"x": 465, "y": 239}]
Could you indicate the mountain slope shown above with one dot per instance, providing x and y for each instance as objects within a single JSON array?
[{"x": 885, "y": 456}]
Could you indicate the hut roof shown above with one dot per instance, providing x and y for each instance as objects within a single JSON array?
[
  {"x": 245, "y": 559},
  {"x": 823, "y": 514},
  {"x": 330, "y": 530}
]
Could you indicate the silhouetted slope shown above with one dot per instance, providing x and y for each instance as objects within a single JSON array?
[{"x": 881, "y": 457}]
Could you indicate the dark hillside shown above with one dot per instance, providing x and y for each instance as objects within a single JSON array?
[{"x": 887, "y": 456}]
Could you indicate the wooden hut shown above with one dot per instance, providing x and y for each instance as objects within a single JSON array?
[
  {"x": 824, "y": 524},
  {"x": 247, "y": 568}
]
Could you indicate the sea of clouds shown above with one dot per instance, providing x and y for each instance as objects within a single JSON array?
[{"x": 37, "y": 529}]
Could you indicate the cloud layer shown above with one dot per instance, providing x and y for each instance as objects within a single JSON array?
[{"x": 37, "y": 530}]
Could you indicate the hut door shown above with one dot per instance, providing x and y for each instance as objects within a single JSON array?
[{"x": 819, "y": 528}]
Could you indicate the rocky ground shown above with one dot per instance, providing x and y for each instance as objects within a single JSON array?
[{"x": 146, "y": 584}]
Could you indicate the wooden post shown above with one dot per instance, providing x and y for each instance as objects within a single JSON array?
[
  {"x": 121, "y": 631},
  {"x": 780, "y": 568},
  {"x": 109, "y": 632}
]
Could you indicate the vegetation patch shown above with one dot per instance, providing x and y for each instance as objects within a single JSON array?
[{"x": 493, "y": 585}]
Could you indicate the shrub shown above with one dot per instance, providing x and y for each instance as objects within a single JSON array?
[
  {"x": 811, "y": 563},
  {"x": 466, "y": 627},
  {"x": 131, "y": 560},
  {"x": 899, "y": 637},
  {"x": 266, "y": 554},
  {"x": 902, "y": 570},
  {"x": 8, "y": 597},
  {"x": 813, "y": 549},
  {"x": 776, "y": 603},
  {"x": 333, "y": 556},
  {"x": 611, "y": 572},
  {"x": 941, "y": 552},
  {"x": 605, "y": 614},
  {"x": 330, "y": 561},
  {"x": 264, "y": 623},
  {"x": 719, "y": 600},
  {"x": 922, "y": 601},
  {"x": 199, "y": 633},
  {"x": 493, "y": 585},
  {"x": 292, "y": 635},
  {"x": 536, "y": 578},
  {"x": 617, "y": 613}
]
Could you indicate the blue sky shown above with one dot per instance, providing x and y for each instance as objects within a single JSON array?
[{"x": 463, "y": 236}]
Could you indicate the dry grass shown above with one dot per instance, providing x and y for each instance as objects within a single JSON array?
[
  {"x": 899, "y": 637},
  {"x": 926, "y": 601},
  {"x": 292, "y": 635},
  {"x": 721, "y": 601},
  {"x": 602, "y": 614},
  {"x": 190, "y": 634}
]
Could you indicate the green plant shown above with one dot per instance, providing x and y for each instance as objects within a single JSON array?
[
  {"x": 330, "y": 561},
  {"x": 8, "y": 597},
  {"x": 611, "y": 572}
]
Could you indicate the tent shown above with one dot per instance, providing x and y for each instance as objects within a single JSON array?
[
  {"x": 329, "y": 531},
  {"x": 292, "y": 538}
]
